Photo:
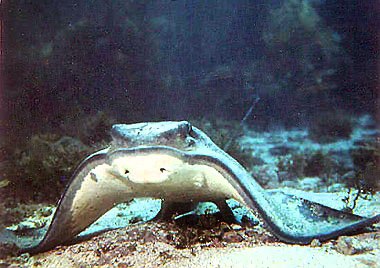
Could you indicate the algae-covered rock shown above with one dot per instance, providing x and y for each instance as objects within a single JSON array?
[
  {"x": 45, "y": 163},
  {"x": 366, "y": 160},
  {"x": 90, "y": 129},
  {"x": 299, "y": 38},
  {"x": 330, "y": 126}
]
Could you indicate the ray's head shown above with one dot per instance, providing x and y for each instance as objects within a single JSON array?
[{"x": 143, "y": 167}]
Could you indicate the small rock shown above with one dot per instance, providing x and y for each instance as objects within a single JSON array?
[
  {"x": 236, "y": 227},
  {"x": 310, "y": 183},
  {"x": 336, "y": 187},
  {"x": 344, "y": 246},
  {"x": 290, "y": 184},
  {"x": 315, "y": 243},
  {"x": 232, "y": 237},
  {"x": 148, "y": 237},
  {"x": 351, "y": 245},
  {"x": 124, "y": 265}
]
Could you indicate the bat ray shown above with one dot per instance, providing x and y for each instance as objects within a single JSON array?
[{"x": 178, "y": 163}]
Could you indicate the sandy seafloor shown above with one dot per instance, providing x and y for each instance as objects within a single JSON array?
[
  {"x": 155, "y": 244},
  {"x": 138, "y": 243}
]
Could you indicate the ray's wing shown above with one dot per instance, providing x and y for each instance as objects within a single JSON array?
[
  {"x": 298, "y": 220},
  {"x": 92, "y": 191},
  {"x": 290, "y": 218}
]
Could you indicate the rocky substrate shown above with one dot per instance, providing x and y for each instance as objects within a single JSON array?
[
  {"x": 200, "y": 239},
  {"x": 159, "y": 244},
  {"x": 285, "y": 160}
]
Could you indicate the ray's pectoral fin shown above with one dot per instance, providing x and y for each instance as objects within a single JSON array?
[
  {"x": 310, "y": 220},
  {"x": 149, "y": 164},
  {"x": 93, "y": 190}
]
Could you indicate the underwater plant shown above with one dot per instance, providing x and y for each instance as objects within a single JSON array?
[
  {"x": 76, "y": 59},
  {"x": 364, "y": 185},
  {"x": 297, "y": 35},
  {"x": 91, "y": 129},
  {"x": 47, "y": 159},
  {"x": 319, "y": 164},
  {"x": 305, "y": 60},
  {"x": 330, "y": 126},
  {"x": 366, "y": 159},
  {"x": 307, "y": 164},
  {"x": 293, "y": 165},
  {"x": 365, "y": 180}
]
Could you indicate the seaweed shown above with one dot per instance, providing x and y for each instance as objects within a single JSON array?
[
  {"x": 44, "y": 164},
  {"x": 293, "y": 164},
  {"x": 305, "y": 50},
  {"x": 319, "y": 164},
  {"x": 366, "y": 176},
  {"x": 330, "y": 127},
  {"x": 307, "y": 164}
]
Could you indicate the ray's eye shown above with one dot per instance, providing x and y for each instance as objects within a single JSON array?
[
  {"x": 126, "y": 171},
  {"x": 162, "y": 169}
]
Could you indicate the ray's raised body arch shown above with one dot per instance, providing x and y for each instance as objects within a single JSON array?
[{"x": 177, "y": 162}]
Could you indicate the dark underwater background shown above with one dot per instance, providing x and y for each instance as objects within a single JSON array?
[{"x": 306, "y": 69}]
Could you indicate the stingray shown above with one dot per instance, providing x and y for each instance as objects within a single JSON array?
[{"x": 178, "y": 163}]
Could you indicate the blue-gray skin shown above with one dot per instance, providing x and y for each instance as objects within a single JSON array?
[{"x": 178, "y": 163}]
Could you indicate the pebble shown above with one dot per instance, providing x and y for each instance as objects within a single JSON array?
[
  {"x": 315, "y": 243},
  {"x": 352, "y": 245}
]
